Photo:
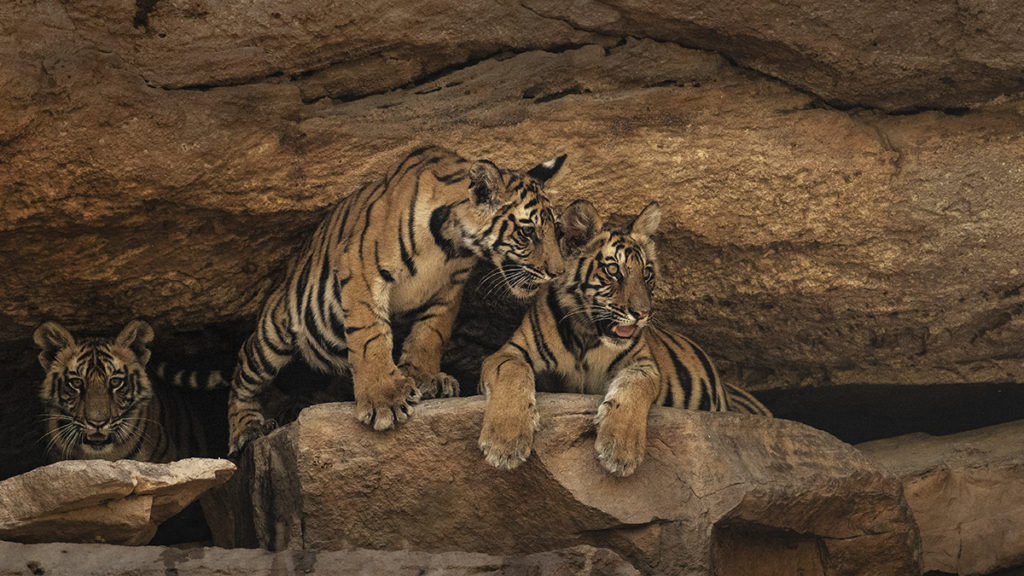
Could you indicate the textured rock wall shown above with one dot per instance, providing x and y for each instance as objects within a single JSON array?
[{"x": 163, "y": 159}]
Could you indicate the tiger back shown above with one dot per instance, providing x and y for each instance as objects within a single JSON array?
[
  {"x": 398, "y": 250},
  {"x": 590, "y": 329},
  {"x": 99, "y": 401}
]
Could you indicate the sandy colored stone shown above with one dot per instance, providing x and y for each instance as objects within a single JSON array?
[
  {"x": 106, "y": 560},
  {"x": 964, "y": 491},
  {"x": 327, "y": 482},
  {"x": 99, "y": 501}
]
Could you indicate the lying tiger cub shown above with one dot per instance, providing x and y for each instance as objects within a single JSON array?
[
  {"x": 100, "y": 404},
  {"x": 590, "y": 329}
]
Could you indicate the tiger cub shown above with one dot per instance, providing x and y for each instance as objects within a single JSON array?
[
  {"x": 99, "y": 401},
  {"x": 590, "y": 331},
  {"x": 397, "y": 251}
]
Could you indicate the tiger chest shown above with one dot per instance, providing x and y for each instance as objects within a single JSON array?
[{"x": 591, "y": 373}]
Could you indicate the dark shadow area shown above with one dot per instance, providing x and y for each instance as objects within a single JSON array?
[
  {"x": 741, "y": 549},
  {"x": 862, "y": 413}
]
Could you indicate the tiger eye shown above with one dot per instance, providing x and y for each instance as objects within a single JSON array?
[
  {"x": 116, "y": 382},
  {"x": 611, "y": 269}
]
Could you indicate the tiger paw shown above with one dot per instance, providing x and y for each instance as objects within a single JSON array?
[
  {"x": 507, "y": 436},
  {"x": 438, "y": 385},
  {"x": 387, "y": 401},
  {"x": 253, "y": 429},
  {"x": 621, "y": 440}
]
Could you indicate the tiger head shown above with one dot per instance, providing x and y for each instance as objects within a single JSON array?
[
  {"x": 95, "y": 391},
  {"x": 511, "y": 224},
  {"x": 612, "y": 272}
]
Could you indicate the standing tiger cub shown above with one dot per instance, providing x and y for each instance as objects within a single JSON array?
[
  {"x": 101, "y": 405},
  {"x": 590, "y": 330},
  {"x": 397, "y": 251}
]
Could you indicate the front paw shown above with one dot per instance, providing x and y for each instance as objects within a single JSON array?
[
  {"x": 507, "y": 439},
  {"x": 438, "y": 385},
  {"x": 247, "y": 432},
  {"x": 621, "y": 439},
  {"x": 386, "y": 401}
]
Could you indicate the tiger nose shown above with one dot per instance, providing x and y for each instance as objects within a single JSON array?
[
  {"x": 97, "y": 422},
  {"x": 641, "y": 314},
  {"x": 554, "y": 269}
]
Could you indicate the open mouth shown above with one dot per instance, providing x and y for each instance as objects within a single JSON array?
[
  {"x": 97, "y": 439},
  {"x": 623, "y": 330},
  {"x": 618, "y": 331}
]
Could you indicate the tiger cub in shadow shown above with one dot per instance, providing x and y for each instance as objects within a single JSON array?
[
  {"x": 99, "y": 401},
  {"x": 590, "y": 329}
]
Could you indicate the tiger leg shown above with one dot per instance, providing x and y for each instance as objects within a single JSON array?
[
  {"x": 422, "y": 350},
  {"x": 264, "y": 353},
  {"x": 384, "y": 395},
  {"x": 622, "y": 418},
  {"x": 511, "y": 417}
]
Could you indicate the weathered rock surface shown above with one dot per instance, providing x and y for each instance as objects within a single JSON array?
[
  {"x": 165, "y": 160},
  {"x": 716, "y": 492},
  {"x": 964, "y": 491},
  {"x": 106, "y": 560},
  {"x": 119, "y": 502}
]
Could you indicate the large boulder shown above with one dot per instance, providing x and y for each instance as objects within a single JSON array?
[
  {"x": 119, "y": 502},
  {"x": 721, "y": 492},
  {"x": 964, "y": 490}
]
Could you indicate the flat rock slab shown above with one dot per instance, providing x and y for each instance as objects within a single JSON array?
[
  {"x": 106, "y": 560},
  {"x": 119, "y": 502},
  {"x": 717, "y": 493},
  {"x": 965, "y": 492}
]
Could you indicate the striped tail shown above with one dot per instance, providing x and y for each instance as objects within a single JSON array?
[
  {"x": 742, "y": 401},
  {"x": 204, "y": 380}
]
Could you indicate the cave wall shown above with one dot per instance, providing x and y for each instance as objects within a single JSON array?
[{"x": 840, "y": 184}]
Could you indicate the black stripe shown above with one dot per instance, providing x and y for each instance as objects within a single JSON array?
[
  {"x": 438, "y": 218},
  {"x": 367, "y": 343},
  {"x": 685, "y": 379},
  {"x": 710, "y": 371},
  {"x": 526, "y": 355},
  {"x": 303, "y": 282},
  {"x": 705, "y": 399},
  {"x": 456, "y": 176},
  {"x": 565, "y": 329},
  {"x": 538, "y": 337},
  {"x": 622, "y": 354},
  {"x": 406, "y": 257}
]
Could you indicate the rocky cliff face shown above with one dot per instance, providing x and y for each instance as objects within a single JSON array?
[{"x": 164, "y": 159}]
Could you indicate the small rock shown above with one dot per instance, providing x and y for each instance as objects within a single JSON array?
[{"x": 119, "y": 502}]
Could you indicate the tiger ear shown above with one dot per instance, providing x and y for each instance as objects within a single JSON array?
[
  {"x": 136, "y": 336},
  {"x": 646, "y": 224},
  {"x": 51, "y": 338},
  {"x": 579, "y": 224},
  {"x": 485, "y": 181},
  {"x": 546, "y": 170}
]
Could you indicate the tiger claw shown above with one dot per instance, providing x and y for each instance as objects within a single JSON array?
[{"x": 385, "y": 411}]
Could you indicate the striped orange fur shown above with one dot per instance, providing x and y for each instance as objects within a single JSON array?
[
  {"x": 397, "y": 250},
  {"x": 590, "y": 329}
]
